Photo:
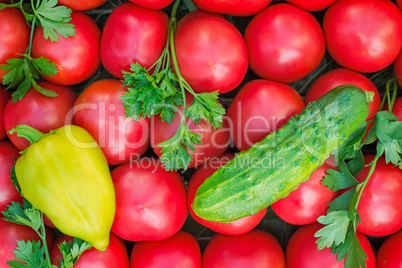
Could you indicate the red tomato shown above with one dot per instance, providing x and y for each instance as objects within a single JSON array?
[
  {"x": 115, "y": 254},
  {"x": 180, "y": 250},
  {"x": 100, "y": 111},
  {"x": 389, "y": 254},
  {"x": 150, "y": 201},
  {"x": 302, "y": 251},
  {"x": 259, "y": 108},
  {"x": 284, "y": 43},
  {"x": 41, "y": 112},
  {"x": 232, "y": 7},
  {"x": 152, "y": 4},
  {"x": 312, "y": 5},
  {"x": 214, "y": 141},
  {"x": 10, "y": 233},
  {"x": 399, "y": 2},
  {"x": 365, "y": 36},
  {"x": 80, "y": 5},
  {"x": 254, "y": 249},
  {"x": 379, "y": 207},
  {"x": 309, "y": 201},
  {"x": 398, "y": 68},
  {"x": 238, "y": 227},
  {"x": 8, "y": 192},
  {"x": 74, "y": 65},
  {"x": 4, "y": 97},
  {"x": 14, "y": 32},
  {"x": 339, "y": 77},
  {"x": 218, "y": 60},
  {"x": 133, "y": 34}
]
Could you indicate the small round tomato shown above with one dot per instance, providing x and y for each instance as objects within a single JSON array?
[
  {"x": 398, "y": 68},
  {"x": 152, "y": 4},
  {"x": 339, "y": 77},
  {"x": 238, "y": 227},
  {"x": 8, "y": 192},
  {"x": 379, "y": 207},
  {"x": 257, "y": 248},
  {"x": 214, "y": 141},
  {"x": 100, "y": 111},
  {"x": 41, "y": 112},
  {"x": 389, "y": 254},
  {"x": 210, "y": 58},
  {"x": 284, "y": 43},
  {"x": 10, "y": 233},
  {"x": 302, "y": 251},
  {"x": 77, "y": 58},
  {"x": 4, "y": 97},
  {"x": 133, "y": 34},
  {"x": 259, "y": 108},
  {"x": 80, "y": 5},
  {"x": 115, "y": 255},
  {"x": 309, "y": 201},
  {"x": 232, "y": 7},
  {"x": 312, "y": 5},
  {"x": 180, "y": 250},
  {"x": 365, "y": 36},
  {"x": 14, "y": 32},
  {"x": 150, "y": 201}
]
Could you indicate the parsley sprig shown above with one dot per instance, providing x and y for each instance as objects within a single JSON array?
[
  {"x": 24, "y": 71},
  {"x": 342, "y": 217},
  {"x": 30, "y": 254},
  {"x": 161, "y": 93}
]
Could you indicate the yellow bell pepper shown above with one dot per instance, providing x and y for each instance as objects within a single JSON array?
[{"x": 65, "y": 175}]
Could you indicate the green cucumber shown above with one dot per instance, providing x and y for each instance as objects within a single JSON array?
[{"x": 278, "y": 164}]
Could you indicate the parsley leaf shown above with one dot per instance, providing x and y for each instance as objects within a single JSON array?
[
  {"x": 24, "y": 214},
  {"x": 71, "y": 251},
  {"x": 23, "y": 72},
  {"x": 151, "y": 94},
  {"x": 334, "y": 233},
  {"x": 351, "y": 250},
  {"x": 54, "y": 20},
  {"x": 339, "y": 179},
  {"x": 207, "y": 106},
  {"x": 28, "y": 255},
  {"x": 342, "y": 202}
]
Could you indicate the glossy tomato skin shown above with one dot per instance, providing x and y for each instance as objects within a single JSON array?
[
  {"x": 389, "y": 254},
  {"x": 152, "y": 4},
  {"x": 180, "y": 250},
  {"x": 342, "y": 76},
  {"x": 150, "y": 201},
  {"x": 238, "y": 227},
  {"x": 133, "y": 34},
  {"x": 260, "y": 107},
  {"x": 115, "y": 255},
  {"x": 379, "y": 207},
  {"x": 398, "y": 68},
  {"x": 218, "y": 60},
  {"x": 81, "y": 5},
  {"x": 309, "y": 201},
  {"x": 256, "y": 248},
  {"x": 100, "y": 111},
  {"x": 10, "y": 233},
  {"x": 365, "y": 36},
  {"x": 74, "y": 65},
  {"x": 312, "y": 5},
  {"x": 14, "y": 32},
  {"x": 284, "y": 43},
  {"x": 302, "y": 251},
  {"x": 232, "y": 7},
  {"x": 4, "y": 97},
  {"x": 214, "y": 141},
  {"x": 41, "y": 112},
  {"x": 8, "y": 192}
]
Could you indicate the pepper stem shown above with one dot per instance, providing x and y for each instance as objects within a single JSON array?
[{"x": 31, "y": 134}]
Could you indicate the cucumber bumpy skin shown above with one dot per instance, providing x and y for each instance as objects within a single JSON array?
[{"x": 279, "y": 163}]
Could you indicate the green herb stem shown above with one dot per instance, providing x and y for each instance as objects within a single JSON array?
[
  {"x": 42, "y": 235},
  {"x": 361, "y": 187}
]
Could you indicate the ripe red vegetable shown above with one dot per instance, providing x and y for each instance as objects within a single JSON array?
[
  {"x": 232, "y": 7},
  {"x": 389, "y": 254}
]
